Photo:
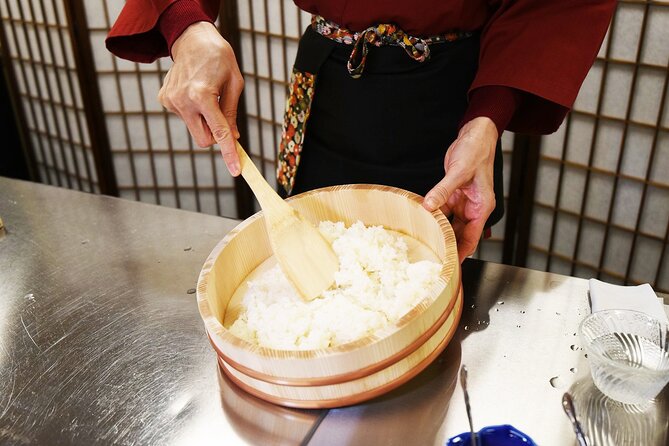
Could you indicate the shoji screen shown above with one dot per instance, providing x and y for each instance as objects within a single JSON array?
[
  {"x": 269, "y": 31},
  {"x": 40, "y": 60},
  {"x": 154, "y": 157},
  {"x": 602, "y": 202}
]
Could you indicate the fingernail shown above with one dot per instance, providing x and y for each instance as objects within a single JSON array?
[
  {"x": 235, "y": 169},
  {"x": 431, "y": 203}
]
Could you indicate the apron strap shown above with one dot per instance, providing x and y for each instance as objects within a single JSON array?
[{"x": 312, "y": 53}]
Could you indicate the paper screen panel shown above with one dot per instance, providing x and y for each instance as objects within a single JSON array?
[
  {"x": 602, "y": 201},
  {"x": 41, "y": 56},
  {"x": 155, "y": 158}
]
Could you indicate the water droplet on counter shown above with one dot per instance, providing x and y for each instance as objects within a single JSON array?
[
  {"x": 573, "y": 370},
  {"x": 557, "y": 313},
  {"x": 522, "y": 311},
  {"x": 556, "y": 382},
  {"x": 501, "y": 302},
  {"x": 191, "y": 291},
  {"x": 573, "y": 347},
  {"x": 574, "y": 334},
  {"x": 30, "y": 296},
  {"x": 473, "y": 305},
  {"x": 518, "y": 326},
  {"x": 83, "y": 242},
  {"x": 586, "y": 355},
  {"x": 187, "y": 248},
  {"x": 496, "y": 309},
  {"x": 466, "y": 327}
]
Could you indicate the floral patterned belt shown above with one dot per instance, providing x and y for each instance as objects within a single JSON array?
[{"x": 312, "y": 53}]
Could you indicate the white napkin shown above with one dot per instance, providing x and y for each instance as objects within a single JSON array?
[{"x": 605, "y": 296}]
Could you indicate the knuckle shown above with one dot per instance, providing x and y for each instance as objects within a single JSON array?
[
  {"x": 202, "y": 142},
  {"x": 169, "y": 107},
  {"x": 163, "y": 97},
  {"x": 230, "y": 114},
  {"x": 163, "y": 101},
  {"x": 225, "y": 46},
  {"x": 239, "y": 81},
  {"x": 194, "y": 94},
  {"x": 226, "y": 50},
  {"x": 176, "y": 99},
  {"x": 488, "y": 200},
  {"x": 441, "y": 192},
  {"x": 466, "y": 172},
  {"x": 220, "y": 133},
  {"x": 492, "y": 203}
]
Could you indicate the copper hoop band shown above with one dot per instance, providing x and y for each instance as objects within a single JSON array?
[
  {"x": 359, "y": 397},
  {"x": 348, "y": 376}
]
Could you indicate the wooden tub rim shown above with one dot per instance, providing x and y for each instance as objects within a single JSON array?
[
  {"x": 449, "y": 271},
  {"x": 361, "y": 396}
]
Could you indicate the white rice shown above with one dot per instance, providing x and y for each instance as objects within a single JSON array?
[{"x": 375, "y": 286}]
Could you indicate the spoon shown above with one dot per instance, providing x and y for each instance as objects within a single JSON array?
[
  {"x": 304, "y": 255},
  {"x": 570, "y": 410},
  {"x": 468, "y": 407}
]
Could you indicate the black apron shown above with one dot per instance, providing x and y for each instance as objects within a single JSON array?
[{"x": 393, "y": 124}]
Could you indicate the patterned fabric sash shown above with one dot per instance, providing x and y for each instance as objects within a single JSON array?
[
  {"x": 302, "y": 83},
  {"x": 379, "y": 35}
]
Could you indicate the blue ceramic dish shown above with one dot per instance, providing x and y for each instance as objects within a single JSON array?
[{"x": 503, "y": 435}]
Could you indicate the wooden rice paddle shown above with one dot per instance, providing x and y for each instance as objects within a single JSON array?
[{"x": 304, "y": 255}]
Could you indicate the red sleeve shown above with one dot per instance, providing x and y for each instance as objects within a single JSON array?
[
  {"x": 544, "y": 49},
  {"x": 495, "y": 102},
  {"x": 136, "y": 34}
]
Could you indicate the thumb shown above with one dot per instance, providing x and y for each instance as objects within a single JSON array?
[
  {"x": 438, "y": 196},
  {"x": 222, "y": 134}
]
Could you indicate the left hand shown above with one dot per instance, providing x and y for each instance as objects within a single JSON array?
[{"x": 467, "y": 188}]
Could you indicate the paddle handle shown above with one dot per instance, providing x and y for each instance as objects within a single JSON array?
[{"x": 267, "y": 197}]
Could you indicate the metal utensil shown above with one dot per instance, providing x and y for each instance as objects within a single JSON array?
[
  {"x": 463, "y": 382},
  {"x": 568, "y": 406}
]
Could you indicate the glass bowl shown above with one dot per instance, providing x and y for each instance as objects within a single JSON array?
[{"x": 628, "y": 353}]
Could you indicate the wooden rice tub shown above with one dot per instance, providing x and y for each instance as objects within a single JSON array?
[{"x": 352, "y": 372}]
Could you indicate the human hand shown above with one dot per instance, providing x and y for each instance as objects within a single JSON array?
[
  {"x": 203, "y": 88},
  {"x": 467, "y": 188}
]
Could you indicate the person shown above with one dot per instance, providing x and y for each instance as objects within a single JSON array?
[{"x": 409, "y": 94}]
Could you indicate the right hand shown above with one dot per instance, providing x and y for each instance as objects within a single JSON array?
[
  {"x": 203, "y": 88},
  {"x": 467, "y": 190}
]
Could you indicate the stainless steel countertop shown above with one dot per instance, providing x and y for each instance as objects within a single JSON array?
[{"x": 101, "y": 343}]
